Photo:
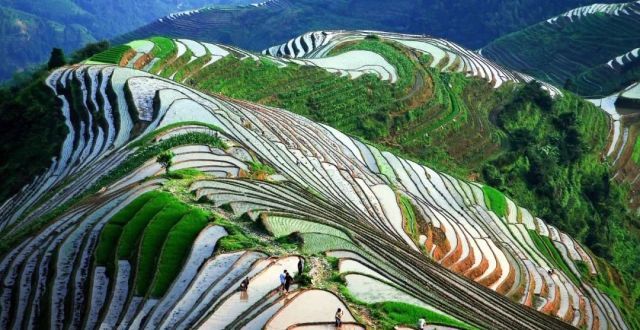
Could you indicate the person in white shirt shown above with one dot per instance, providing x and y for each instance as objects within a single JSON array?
[
  {"x": 339, "y": 314},
  {"x": 422, "y": 323}
]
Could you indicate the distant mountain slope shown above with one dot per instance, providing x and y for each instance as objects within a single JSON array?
[
  {"x": 31, "y": 28},
  {"x": 470, "y": 23},
  {"x": 591, "y": 50}
]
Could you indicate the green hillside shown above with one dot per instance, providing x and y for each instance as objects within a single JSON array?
[
  {"x": 395, "y": 177},
  {"x": 545, "y": 153},
  {"x": 593, "y": 55}
]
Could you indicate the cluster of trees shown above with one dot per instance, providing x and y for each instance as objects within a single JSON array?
[
  {"x": 31, "y": 125},
  {"x": 553, "y": 167},
  {"x": 31, "y": 130}
]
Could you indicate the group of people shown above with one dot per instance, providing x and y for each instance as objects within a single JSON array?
[
  {"x": 285, "y": 281},
  {"x": 285, "y": 284}
]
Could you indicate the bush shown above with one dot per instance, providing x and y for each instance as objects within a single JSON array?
[
  {"x": 165, "y": 159},
  {"x": 236, "y": 238}
]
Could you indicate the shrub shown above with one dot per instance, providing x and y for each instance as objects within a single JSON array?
[{"x": 166, "y": 159}]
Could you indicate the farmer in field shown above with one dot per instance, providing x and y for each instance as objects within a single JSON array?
[
  {"x": 287, "y": 281},
  {"x": 244, "y": 285},
  {"x": 300, "y": 266},
  {"x": 339, "y": 314},
  {"x": 283, "y": 278},
  {"x": 422, "y": 323}
]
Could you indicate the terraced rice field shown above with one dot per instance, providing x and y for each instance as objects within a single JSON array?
[
  {"x": 393, "y": 97},
  {"x": 112, "y": 55},
  {"x": 474, "y": 262},
  {"x": 444, "y": 55},
  {"x": 567, "y": 50}
]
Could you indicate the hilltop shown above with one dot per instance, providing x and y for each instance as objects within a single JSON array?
[{"x": 373, "y": 174}]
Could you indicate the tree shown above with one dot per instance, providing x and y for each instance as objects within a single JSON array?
[
  {"x": 89, "y": 50},
  {"x": 166, "y": 159},
  {"x": 56, "y": 59}
]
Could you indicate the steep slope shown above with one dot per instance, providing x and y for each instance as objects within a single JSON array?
[
  {"x": 400, "y": 223},
  {"x": 31, "y": 28},
  {"x": 624, "y": 149},
  {"x": 590, "y": 50},
  {"x": 472, "y": 24},
  {"x": 440, "y": 105}
]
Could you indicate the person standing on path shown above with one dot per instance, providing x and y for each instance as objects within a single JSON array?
[
  {"x": 300, "y": 266},
  {"x": 287, "y": 281},
  {"x": 339, "y": 314},
  {"x": 283, "y": 278}
]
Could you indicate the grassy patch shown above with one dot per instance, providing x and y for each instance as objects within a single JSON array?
[
  {"x": 163, "y": 47},
  {"x": 176, "y": 249},
  {"x": 283, "y": 226},
  {"x": 495, "y": 200},
  {"x": 134, "y": 228},
  {"x": 315, "y": 243},
  {"x": 391, "y": 313},
  {"x": 174, "y": 66},
  {"x": 150, "y": 136},
  {"x": 236, "y": 239},
  {"x": 155, "y": 221},
  {"x": 111, "y": 55},
  {"x": 409, "y": 215},
  {"x": 260, "y": 171},
  {"x": 636, "y": 151},
  {"x": 609, "y": 281},
  {"x": 186, "y": 173},
  {"x": 154, "y": 237},
  {"x": 392, "y": 53},
  {"x": 105, "y": 253}
]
